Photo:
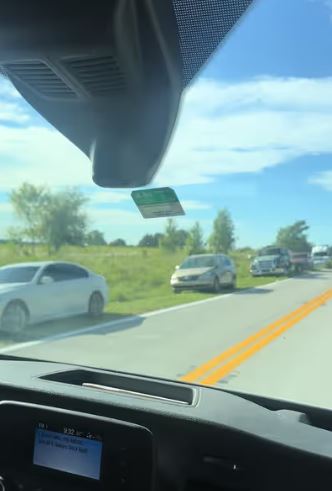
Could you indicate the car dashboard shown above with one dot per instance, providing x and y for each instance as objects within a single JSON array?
[{"x": 69, "y": 428}]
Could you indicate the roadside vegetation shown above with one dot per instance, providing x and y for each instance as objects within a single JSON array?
[
  {"x": 138, "y": 277},
  {"x": 54, "y": 226}
]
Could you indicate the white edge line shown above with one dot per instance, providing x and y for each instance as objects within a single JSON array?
[{"x": 125, "y": 320}]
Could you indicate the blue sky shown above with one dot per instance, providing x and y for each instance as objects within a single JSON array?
[{"x": 254, "y": 135}]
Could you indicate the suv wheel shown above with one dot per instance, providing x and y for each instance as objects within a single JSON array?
[
  {"x": 216, "y": 285},
  {"x": 233, "y": 284}
]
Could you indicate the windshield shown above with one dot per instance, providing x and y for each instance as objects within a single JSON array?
[
  {"x": 17, "y": 275},
  {"x": 199, "y": 262},
  {"x": 270, "y": 252},
  {"x": 250, "y": 161}
]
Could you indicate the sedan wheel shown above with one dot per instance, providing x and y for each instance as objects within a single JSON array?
[
  {"x": 96, "y": 305},
  {"x": 14, "y": 317}
]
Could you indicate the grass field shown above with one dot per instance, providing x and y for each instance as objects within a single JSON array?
[{"x": 138, "y": 278}]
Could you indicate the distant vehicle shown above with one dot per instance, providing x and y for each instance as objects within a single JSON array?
[
  {"x": 273, "y": 261},
  {"x": 320, "y": 255},
  {"x": 39, "y": 291},
  {"x": 204, "y": 272},
  {"x": 301, "y": 261}
]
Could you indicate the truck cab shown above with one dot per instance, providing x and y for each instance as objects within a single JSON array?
[
  {"x": 320, "y": 255},
  {"x": 271, "y": 261}
]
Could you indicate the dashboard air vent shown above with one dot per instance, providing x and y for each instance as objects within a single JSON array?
[
  {"x": 41, "y": 78},
  {"x": 99, "y": 75}
]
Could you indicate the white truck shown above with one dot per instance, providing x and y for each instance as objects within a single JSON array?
[{"x": 320, "y": 255}]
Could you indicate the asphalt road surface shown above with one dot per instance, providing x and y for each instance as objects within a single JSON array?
[{"x": 274, "y": 341}]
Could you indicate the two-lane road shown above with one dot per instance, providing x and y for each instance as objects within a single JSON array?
[{"x": 274, "y": 340}]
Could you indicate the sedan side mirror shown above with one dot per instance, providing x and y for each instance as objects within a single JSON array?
[{"x": 46, "y": 280}]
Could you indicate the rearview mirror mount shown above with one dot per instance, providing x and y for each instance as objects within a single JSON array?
[
  {"x": 110, "y": 75},
  {"x": 110, "y": 78}
]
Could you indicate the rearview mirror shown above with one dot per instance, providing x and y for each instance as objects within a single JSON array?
[
  {"x": 46, "y": 280},
  {"x": 110, "y": 75}
]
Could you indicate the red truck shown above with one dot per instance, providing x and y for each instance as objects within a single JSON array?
[{"x": 300, "y": 261}]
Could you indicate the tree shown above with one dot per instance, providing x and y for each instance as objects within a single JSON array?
[
  {"x": 118, "y": 243},
  {"x": 52, "y": 218},
  {"x": 222, "y": 238},
  {"x": 63, "y": 221},
  {"x": 95, "y": 238},
  {"x": 150, "y": 240},
  {"x": 294, "y": 237},
  {"x": 181, "y": 237},
  {"x": 195, "y": 241},
  {"x": 170, "y": 241},
  {"x": 28, "y": 202}
]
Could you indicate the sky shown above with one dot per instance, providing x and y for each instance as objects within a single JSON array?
[{"x": 254, "y": 135}]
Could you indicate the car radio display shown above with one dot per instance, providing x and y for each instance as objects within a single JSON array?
[{"x": 68, "y": 450}]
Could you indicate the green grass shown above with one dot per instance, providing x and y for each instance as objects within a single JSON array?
[{"x": 138, "y": 278}]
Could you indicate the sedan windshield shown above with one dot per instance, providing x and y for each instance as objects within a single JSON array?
[
  {"x": 199, "y": 262},
  {"x": 17, "y": 275}
]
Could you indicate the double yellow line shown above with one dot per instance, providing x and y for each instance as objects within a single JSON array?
[{"x": 221, "y": 365}]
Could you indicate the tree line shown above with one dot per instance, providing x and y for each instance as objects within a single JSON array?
[
  {"x": 54, "y": 218},
  {"x": 57, "y": 218},
  {"x": 221, "y": 239}
]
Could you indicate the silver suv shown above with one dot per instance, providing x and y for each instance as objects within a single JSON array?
[{"x": 204, "y": 272}]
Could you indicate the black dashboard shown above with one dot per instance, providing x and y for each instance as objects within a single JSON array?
[{"x": 70, "y": 428}]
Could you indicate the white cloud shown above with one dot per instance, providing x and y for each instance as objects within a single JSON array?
[
  {"x": 107, "y": 197},
  {"x": 117, "y": 215},
  {"x": 11, "y": 108},
  {"x": 224, "y": 128},
  {"x": 247, "y": 127},
  {"x": 42, "y": 156},
  {"x": 322, "y": 179},
  {"x": 194, "y": 205},
  {"x": 13, "y": 113},
  {"x": 7, "y": 89}
]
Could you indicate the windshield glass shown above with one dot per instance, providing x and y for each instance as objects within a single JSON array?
[
  {"x": 270, "y": 252},
  {"x": 199, "y": 262},
  {"x": 17, "y": 275},
  {"x": 250, "y": 161}
]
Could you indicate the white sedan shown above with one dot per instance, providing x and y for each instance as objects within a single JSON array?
[{"x": 39, "y": 291}]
